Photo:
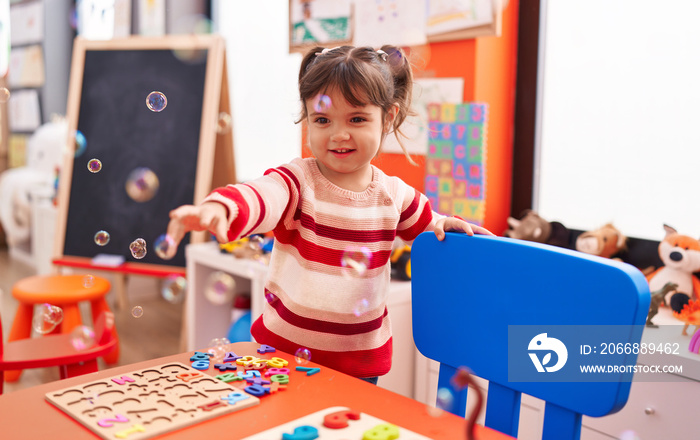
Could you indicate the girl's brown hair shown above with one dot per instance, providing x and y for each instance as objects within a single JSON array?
[{"x": 363, "y": 76}]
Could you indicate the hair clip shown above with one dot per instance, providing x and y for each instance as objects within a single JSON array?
[
  {"x": 382, "y": 54},
  {"x": 326, "y": 50}
]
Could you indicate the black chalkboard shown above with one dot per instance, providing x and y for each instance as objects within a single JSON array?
[{"x": 124, "y": 134}]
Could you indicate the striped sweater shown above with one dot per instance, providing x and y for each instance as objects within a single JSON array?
[{"x": 336, "y": 312}]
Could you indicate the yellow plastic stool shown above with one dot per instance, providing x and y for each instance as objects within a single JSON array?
[{"x": 65, "y": 291}]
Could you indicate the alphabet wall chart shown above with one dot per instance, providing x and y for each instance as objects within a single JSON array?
[{"x": 455, "y": 166}]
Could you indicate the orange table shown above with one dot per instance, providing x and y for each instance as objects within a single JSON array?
[{"x": 25, "y": 414}]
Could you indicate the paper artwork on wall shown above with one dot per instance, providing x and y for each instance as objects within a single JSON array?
[
  {"x": 455, "y": 166},
  {"x": 397, "y": 22},
  {"x": 452, "y": 15},
  {"x": 320, "y": 21},
  {"x": 414, "y": 130},
  {"x": 27, "y": 23},
  {"x": 23, "y": 113},
  {"x": 26, "y": 67}
]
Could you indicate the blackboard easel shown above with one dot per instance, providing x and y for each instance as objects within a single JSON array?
[{"x": 109, "y": 83}]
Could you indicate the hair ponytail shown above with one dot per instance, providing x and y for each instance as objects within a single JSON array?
[{"x": 403, "y": 89}]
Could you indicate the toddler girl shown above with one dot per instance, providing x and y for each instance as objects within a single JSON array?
[{"x": 323, "y": 207}]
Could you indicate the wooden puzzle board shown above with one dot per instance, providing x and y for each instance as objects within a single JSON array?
[
  {"x": 363, "y": 427},
  {"x": 145, "y": 403}
]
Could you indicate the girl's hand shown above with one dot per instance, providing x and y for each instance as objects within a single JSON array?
[
  {"x": 454, "y": 224},
  {"x": 209, "y": 216}
]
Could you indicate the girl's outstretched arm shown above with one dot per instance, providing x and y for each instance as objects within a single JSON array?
[
  {"x": 209, "y": 216},
  {"x": 454, "y": 224}
]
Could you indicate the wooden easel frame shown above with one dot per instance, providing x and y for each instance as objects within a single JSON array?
[{"x": 215, "y": 159}]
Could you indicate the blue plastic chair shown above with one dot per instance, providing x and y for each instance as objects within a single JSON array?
[{"x": 471, "y": 294}]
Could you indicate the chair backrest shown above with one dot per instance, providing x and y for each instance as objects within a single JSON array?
[{"x": 482, "y": 302}]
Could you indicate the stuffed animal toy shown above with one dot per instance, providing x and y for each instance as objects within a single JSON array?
[
  {"x": 532, "y": 227},
  {"x": 681, "y": 257},
  {"x": 605, "y": 241}
]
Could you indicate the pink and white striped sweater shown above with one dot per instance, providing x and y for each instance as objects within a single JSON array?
[{"x": 310, "y": 303}]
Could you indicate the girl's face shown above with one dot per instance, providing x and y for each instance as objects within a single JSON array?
[{"x": 344, "y": 139}]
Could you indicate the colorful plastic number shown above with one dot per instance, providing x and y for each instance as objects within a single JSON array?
[
  {"x": 200, "y": 365},
  {"x": 304, "y": 432},
  {"x": 277, "y": 362},
  {"x": 274, "y": 371},
  {"x": 200, "y": 356},
  {"x": 310, "y": 371},
  {"x": 266, "y": 349},
  {"x": 281, "y": 378},
  {"x": 234, "y": 397},
  {"x": 256, "y": 390},
  {"x": 339, "y": 419},
  {"x": 228, "y": 377},
  {"x": 186, "y": 377},
  {"x": 127, "y": 432},
  {"x": 231, "y": 357},
  {"x": 108, "y": 423},
  {"x": 385, "y": 431}
]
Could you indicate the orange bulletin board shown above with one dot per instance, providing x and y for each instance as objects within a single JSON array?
[{"x": 488, "y": 67}]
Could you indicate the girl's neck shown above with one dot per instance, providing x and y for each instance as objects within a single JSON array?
[{"x": 357, "y": 181}]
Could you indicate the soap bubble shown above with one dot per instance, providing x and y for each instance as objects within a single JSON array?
[
  {"x": 4, "y": 94},
  {"x": 302, "y": 356},
  {"x": 270, "y": 297},
  {"x": 445, "y": 399},
  {"x": 163, "y": 245},
  {"x": 142, "y": 184},
  {"x": 223, "y": 124},
  {"x": 46, "y": 318},
  {"x": 88, "y": 281},
  {"x": 322, "y": 103},
  {"x": 41, "y": 325},
  {"x": 53, "y": 314},
  {"x": 361, "y": 307},
  {"x": 220, "y": 288},
  {"x": 79, "y": 144},
  {"x": 101, "y": 238},
  {"x": 137, "y": 312},
  {"x": 156, "y": 101},
  {"x": 355, "y": 261},
  {"x": 82, "y": 337},
  {"x": 138, "y": 248},
  {"x": 174, "y": 289},
  {"x": 218, "y": 347},
  {"x": 94, "y": 165}
]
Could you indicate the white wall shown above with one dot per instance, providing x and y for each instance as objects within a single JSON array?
[
  {"x": 263, "y": 83},
  {"x": 620, "y": 111}
]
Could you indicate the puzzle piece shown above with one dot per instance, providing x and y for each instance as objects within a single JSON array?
[{"x": 174, "y": 394}]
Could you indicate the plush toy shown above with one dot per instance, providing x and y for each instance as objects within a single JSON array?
[
  {"x": 532, "y": 227},
  {"x": 605, "y": 241},
  {"x": 681, "y": 257}
]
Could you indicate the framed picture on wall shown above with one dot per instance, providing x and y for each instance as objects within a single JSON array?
[{"x": 319, "y": 22}]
